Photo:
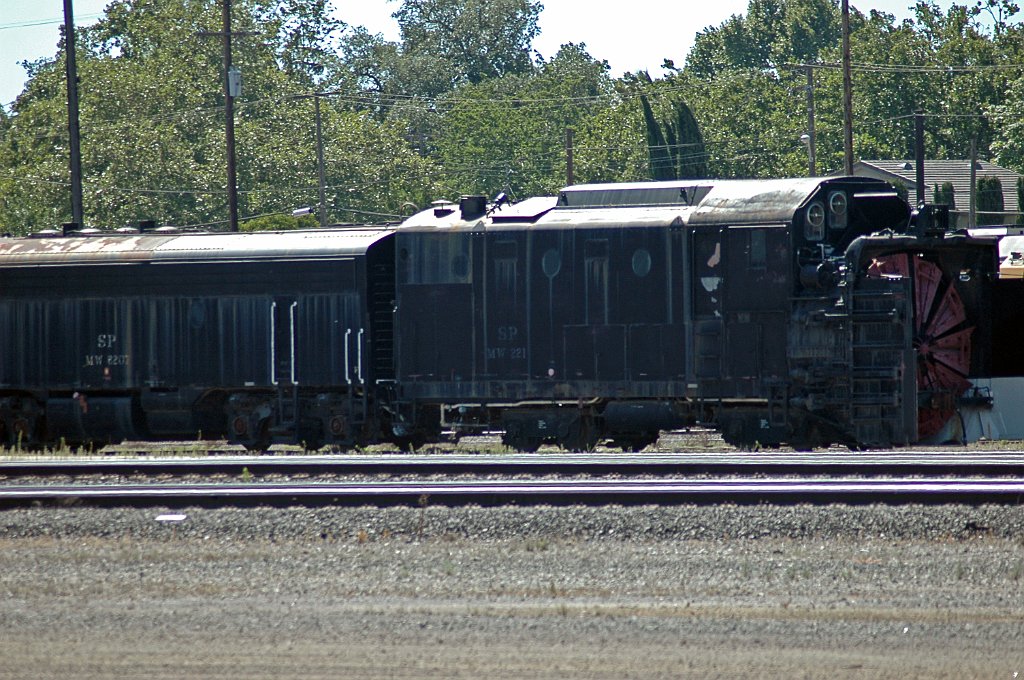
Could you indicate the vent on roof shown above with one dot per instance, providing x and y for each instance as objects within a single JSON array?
[
  {"x": 639, "y": 194},
  {"x": 443, "y": 208},
  {"x": 473, "y": 207},
  {"x": 907, "y": 165}
]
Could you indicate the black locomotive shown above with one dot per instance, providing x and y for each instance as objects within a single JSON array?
[{"x": 799, "y": 311}]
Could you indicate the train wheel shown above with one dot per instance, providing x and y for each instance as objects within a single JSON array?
[
  {"x": 522, "y": 444},
  {"x": 635, "y": 442},
  {"x": 261, "y": 442},
  {"x": 517, "y": 440},
  {"x": 581, "y": 437},
  {"x": 735, "y": 434},
  {"x": 411, "y": 443},
  {"x": 942, "y": 339},
  {"x": 808, "y": 437}
]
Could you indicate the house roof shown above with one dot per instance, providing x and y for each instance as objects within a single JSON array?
[{"x": 937, "y": 173}]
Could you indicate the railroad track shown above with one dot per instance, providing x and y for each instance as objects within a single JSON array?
[
  {"x": 1009, "y": 463},
  {"x": 583, "y": 479},
  {"x": 572, "y": 492}
]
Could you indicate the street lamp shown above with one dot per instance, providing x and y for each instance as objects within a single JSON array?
[{"x": 807, "y": 141}]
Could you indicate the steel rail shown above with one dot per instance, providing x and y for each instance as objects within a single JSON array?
[
  {"x": 601, "y": 492},
  {"x": 958, "y": 463}
]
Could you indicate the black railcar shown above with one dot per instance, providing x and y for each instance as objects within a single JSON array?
[
  {"x": 765, "y": 308},
  {"x": 801, "y": 311},
  {"x": 253, "y": 337}
]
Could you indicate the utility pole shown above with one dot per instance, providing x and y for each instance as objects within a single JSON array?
[
  {"x": 569, "y": 162},
  {"x": 972, "y": 206},
  {"x": 919, "y": 154},
  {"x": 811, "y": 164},
  {"x": 320, "y": 161},
  {"x": 232, "y": 89},
  {"x": 229, "y": 119},
  {"x": 847, "y": 93},
  {"x": 73, "y": 134}
]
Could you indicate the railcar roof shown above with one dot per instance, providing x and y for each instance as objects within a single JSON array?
[
  {"x": 113, "y": 248},
  {"x": 692, "y": 202}
]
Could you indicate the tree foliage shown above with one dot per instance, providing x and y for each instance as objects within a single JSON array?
[
  {"x": 989, "y": 194},
  {"x": 461, "y": 104},
  {"x": 475, "y": 39},
  {"x": 509, "y": 134},
  {"x": 944, "y": 195},
  {"x": 1020, "y": 200},
  {"x": 675, "y": 144},
  {"x": 152, "y": 124}
]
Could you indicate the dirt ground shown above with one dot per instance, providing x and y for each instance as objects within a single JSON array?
[{"x": 102, "y": 594}]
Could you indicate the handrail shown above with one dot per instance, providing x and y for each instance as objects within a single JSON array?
[
  {"x": 348, "y": 378},
  {"x": 291, "y": 313},
  {"x": 273, "y": 344}
]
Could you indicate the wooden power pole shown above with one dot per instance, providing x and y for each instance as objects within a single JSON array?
[
  {"x": 847, "y": 94},
  {"x": 232, "y": 89},
  {"x": 74, "y": 145},
  {"x": 229, "y": 120}
]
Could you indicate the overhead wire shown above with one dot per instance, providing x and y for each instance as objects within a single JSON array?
[
  {"x": 79, "y": 18},
  {"x": 502, "y": 167},
  {"x": 443, "y": 103}
]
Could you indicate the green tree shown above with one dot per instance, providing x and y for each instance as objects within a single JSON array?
[
  {"x": 1008, "y": 119},
  {"x": 661, "y": 164},
  {"x": 675, "y": 146},
  {"x": 475, "y": 39},
  {"x": 153, "y": 129},
  {"x": 772, "y": 33},
  {"x": 944, "y": 195},
  {"x": 1020, "y": 200},
  {"x": 508, "y": 134},
  {"x": 950, "y": 63},
  {"x": 278, "y": 222},
  {"x": 989, "y": 199}
]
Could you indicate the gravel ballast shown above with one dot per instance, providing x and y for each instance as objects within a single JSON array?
[{"x": 435, "y": 592}]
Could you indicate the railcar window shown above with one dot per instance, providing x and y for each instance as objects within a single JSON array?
[
  {"x": 551, "y": 263},
  {"x": 506, "y": 255},
  {"x": 460, "y": 266},
  {"x": 641, "y": 262},
  {"x": 197, "y": 314},
  {"x": 758, "y": 250},
  {"x": 595, "y": 261},
  {"x": 708, "y": 272}
]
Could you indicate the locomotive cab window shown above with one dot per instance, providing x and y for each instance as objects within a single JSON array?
[
  {"x": 837, "y": 210},
  {"x": 435, "y": 259},
  {"x": 814, "y": 222}
]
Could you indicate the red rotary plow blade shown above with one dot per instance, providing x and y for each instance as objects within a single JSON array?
[{"x": 942, "y": 339}]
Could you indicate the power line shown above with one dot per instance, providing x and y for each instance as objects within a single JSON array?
[
  {"x": 46, "y": 22},
  {"x": 909, "y": 68}
]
